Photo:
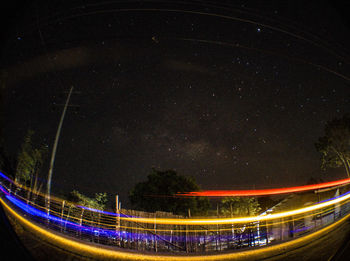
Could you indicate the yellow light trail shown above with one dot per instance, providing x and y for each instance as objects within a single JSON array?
[
  {"x": 112, "y": 224},
  {"x": 215, "y": 221},
  {"x": 89, "y": 250}
]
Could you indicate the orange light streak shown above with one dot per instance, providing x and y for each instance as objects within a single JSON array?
[{"x": 263, "y": 192}]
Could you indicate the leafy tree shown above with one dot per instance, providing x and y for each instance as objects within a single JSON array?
[
  {"x": 240, "y": 206},
  {"x": 99, "y": 202},
  {"x": 157, "y": 194},
  {"x": 101, "y": 199},
  {"x": 30, "y": 160},
  {"x": 335, "y": 145}
]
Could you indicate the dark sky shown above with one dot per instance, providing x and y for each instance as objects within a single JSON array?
[{"x": 233, "y": 93}]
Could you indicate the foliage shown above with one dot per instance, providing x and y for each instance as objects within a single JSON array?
[
  {"x": 240, "y": 206},
  {"x": 335, "y": 145},
  {"x": 30, "y": 159},
  {"x": 99, "y": 202},
  {"x": 101, "y": 199},
  {"x": 157, "y": 194}
]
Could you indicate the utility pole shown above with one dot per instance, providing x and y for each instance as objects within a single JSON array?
[{"x": 53, "y": 154}]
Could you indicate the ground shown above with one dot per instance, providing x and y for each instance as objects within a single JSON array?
[{"x": 324, "y": 248}]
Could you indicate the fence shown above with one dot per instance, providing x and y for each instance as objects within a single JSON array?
[{"x": 126, "y": 229}]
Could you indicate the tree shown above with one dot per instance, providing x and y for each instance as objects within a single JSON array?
[
  {"x": 76, "y": 198},
  {"x": 335, "y": 145},
  {"x": 99, "y": 202},
  {"x": 157, "y": 194},
  {"x": 240, "y": 206},
  {"x": 30, "y": 161}
]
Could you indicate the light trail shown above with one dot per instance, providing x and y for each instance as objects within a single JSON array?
[
  {"x": 277, "y": 29},
  {"x": 107, "y": 232},
  {"x": 264, "y": 192},
  {"x": 5, "y": 177},
  {"x": 228, "y": 17},
  {"x": 72, "y": 225},
  {"x": 31, "y": 210},
  {"x": 269, "y": 52},
  {"x": 90, "y": 230},
  {"x": 220, "y": 221},
  {"x": 56, "y": 198},
  {"x": 215, "y": 221},
  {"x": 98, "y": 251}
]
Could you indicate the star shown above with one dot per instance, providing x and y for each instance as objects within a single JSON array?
[{"x": 153, "y": 100}]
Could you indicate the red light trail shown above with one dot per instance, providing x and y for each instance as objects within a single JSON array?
[{"x": 263, "y": 192}]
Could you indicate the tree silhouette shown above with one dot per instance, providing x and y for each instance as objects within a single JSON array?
[
  {"x": 99, "y": 202},
  {"x": 30, "y": 160},
  {"x": 240, "y": 206},
  {"x": 157, "y": 194},
  {"x": 335, "y": 145}
]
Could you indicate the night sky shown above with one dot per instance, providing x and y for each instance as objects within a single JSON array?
[{"x": 233, "y": 93}]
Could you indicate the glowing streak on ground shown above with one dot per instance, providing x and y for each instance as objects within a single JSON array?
[{"x": 263, "y": 192}]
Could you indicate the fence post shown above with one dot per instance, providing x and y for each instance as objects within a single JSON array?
[
  {"x": 186, "y": 246},
  {"x": 81, "y": 221},
  {"x": 155, "y": 233},
  {"x": 98, "y": 225},
  {"x": 291, "y": 227},
  {"x": 63, "y": 203},
  {"x": 117, "y": 225},
  {"x": 267, "y": 232}
]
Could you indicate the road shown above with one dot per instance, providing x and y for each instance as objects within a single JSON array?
[
  {"x": 10, "y": 243},
  {"x": 326, "y": 248}
]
